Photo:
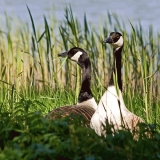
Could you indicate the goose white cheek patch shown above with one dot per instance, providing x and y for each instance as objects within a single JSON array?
[
  {"x": 76, "y": 56},
  {"x": 119, "y": 43}
]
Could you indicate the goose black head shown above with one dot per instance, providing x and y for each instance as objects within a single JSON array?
[
  {"x": 76, "y": 54},
  {"x": 115, "y": 39}
]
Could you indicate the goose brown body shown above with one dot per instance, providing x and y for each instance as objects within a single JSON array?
[{"x": 75, "y": 110}]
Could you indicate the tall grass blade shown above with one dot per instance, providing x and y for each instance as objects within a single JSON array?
[{"x": 32, "y": 22}]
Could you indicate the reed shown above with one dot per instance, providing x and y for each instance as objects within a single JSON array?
[{"x": 30, "y": 66}]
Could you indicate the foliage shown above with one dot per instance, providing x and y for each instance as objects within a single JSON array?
[{"x": 31, "y": 136}]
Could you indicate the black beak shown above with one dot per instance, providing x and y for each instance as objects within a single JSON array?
[
  {"x": 108, "y": 40},
  {"x": 64, "y": 54}
]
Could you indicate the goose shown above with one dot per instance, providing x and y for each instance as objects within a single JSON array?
[
  {"x": 111, "y": 107},
  {"x": 86, "y": 105}
]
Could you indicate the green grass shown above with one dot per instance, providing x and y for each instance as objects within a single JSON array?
[{"x": 33, "y": 81}]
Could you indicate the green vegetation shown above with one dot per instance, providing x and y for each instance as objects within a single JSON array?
[{"x": 33, "y": 81}]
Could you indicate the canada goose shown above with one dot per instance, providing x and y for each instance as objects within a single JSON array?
[
  {"x": 86, "y": 105},
  {"x": 111, "y": 107}
]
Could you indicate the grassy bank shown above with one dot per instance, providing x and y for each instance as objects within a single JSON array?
[
  {"x": 34, "y": 79},
  {"x": 29, "y": 62}
]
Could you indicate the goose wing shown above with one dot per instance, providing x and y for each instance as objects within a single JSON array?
[
  {"x": 131, "y": 121},
  {"x": 75, "y": 110}
]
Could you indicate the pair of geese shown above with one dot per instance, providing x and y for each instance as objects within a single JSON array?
[{"x": 111, "y": 107}]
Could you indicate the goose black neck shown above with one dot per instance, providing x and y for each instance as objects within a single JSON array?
[
  {"x": 85, "y": 92},
  {"x": 117, "y": 65}
]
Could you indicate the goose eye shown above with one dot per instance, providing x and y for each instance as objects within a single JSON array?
[{"x": 116, "y": 38}]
